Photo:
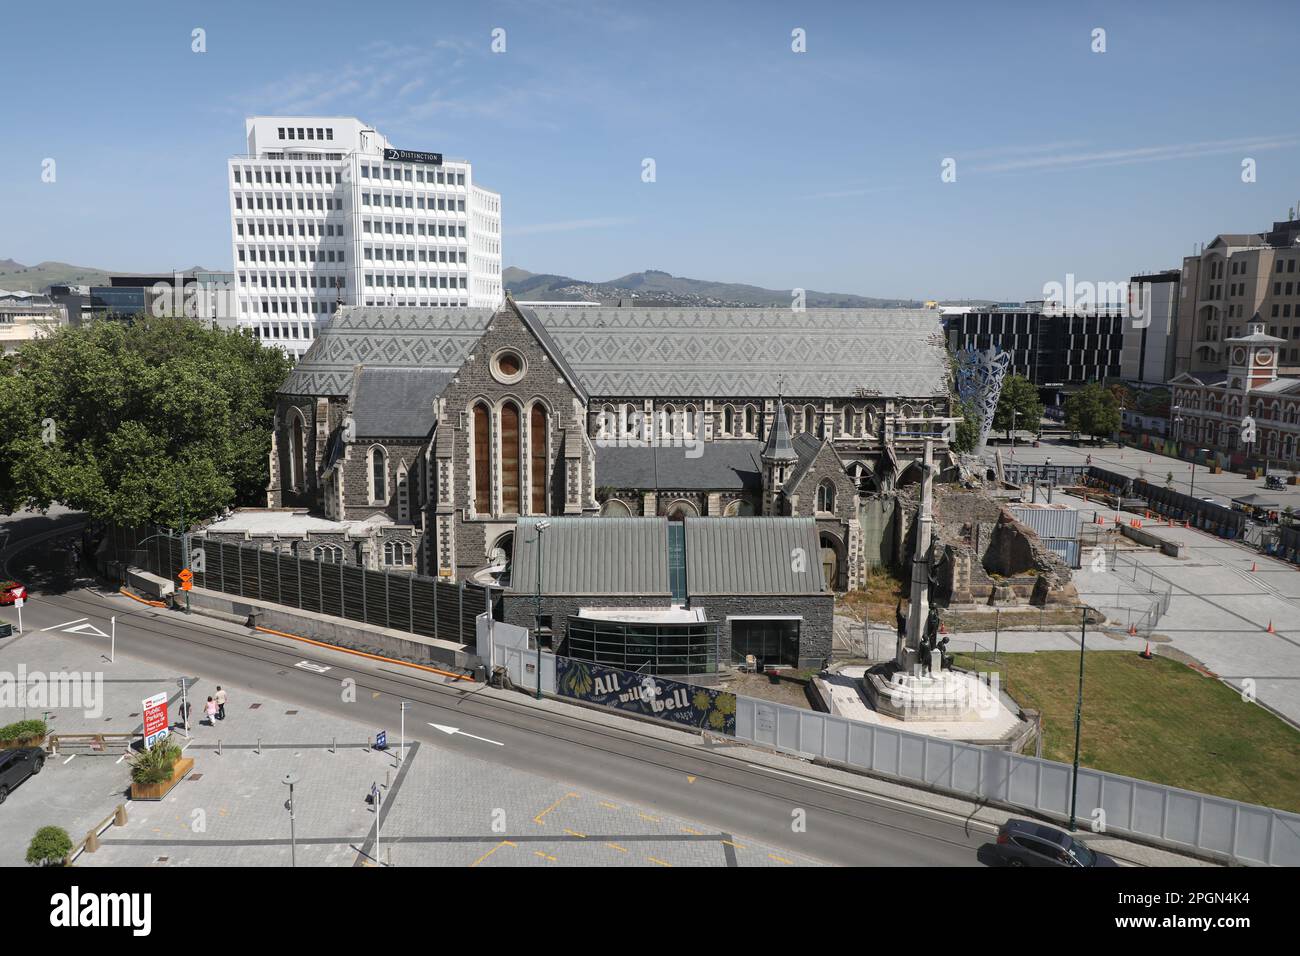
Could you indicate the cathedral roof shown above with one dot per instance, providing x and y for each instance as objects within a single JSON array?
[{"x": 830, "y": 353}]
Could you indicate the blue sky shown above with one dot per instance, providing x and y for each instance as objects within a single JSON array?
[{"x": 818, "y": 170}]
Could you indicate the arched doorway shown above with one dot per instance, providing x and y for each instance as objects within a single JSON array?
[
  {"x": 832, "y": 558},
  {"x": 681, "y": 510}
]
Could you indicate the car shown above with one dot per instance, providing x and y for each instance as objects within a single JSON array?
[
  {"x": 1024, "y": 843},
  {"x": 11, "y": 591},
  {"x": 17, "y": 765}
]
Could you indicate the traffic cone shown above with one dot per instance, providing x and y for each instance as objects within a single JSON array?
[
  {"x": 1269, "y": 629},
  {"x": 1133, "y": 629},
  {"x": 943, "y": 628},
  {"x": 1253, "y": 567},
  {"x": 1146, "y": 652}
]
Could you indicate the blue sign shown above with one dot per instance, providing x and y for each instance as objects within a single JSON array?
[{"x": 381, "y": 740}]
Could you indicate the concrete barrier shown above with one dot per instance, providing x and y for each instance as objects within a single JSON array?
[
  {"x": 159, "y": 587},
  {"x": 1173, "y": 549}
]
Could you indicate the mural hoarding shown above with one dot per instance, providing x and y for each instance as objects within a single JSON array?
[{"x": 657, "y": 697}]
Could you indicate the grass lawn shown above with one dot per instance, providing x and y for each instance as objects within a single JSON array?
[{"x": 1156, "y": 720}]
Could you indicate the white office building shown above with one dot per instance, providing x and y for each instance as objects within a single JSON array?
[{"x": 324, "y": 211}]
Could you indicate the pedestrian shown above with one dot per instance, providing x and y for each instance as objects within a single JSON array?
[
  {"x": 183, "y": 711},
  {"x": 1088, "y": 460},
  {"x": 210, "y": 708},
  {"x": 221, "y": 703}
]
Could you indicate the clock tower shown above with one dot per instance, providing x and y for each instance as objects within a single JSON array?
[{"x": 1252, "y": 358}]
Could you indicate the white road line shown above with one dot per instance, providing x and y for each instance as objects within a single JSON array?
[
  {"x": 69, "y": 760},
  {"x": 987, "y": 827},
  {"x": 449, "y": 731},
  {"x": 58, "y": 627}
]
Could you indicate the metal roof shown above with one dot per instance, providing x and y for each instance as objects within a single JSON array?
[
  {"x": 629, "y": 556},
  {"x": 778, "y": 447},
  {"x": 729, "y": 464},
  {"x": 753, "y": 556},
  {"x": 842, "y": 353},
  {"x": 397, "y": 402},
  {"x": 597, "y": 556}
]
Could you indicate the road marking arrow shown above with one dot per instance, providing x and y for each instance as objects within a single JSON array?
[
  {"x": 449, "y": 731},
  {"x": 308, "y": 665},
  {"x": 85, "y": 629},
  {"x": 59, "y": 627}
]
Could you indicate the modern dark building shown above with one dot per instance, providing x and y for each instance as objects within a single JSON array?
[
  {"x": 1058, "y": 351},
  {"x": 673, "y": 597}
]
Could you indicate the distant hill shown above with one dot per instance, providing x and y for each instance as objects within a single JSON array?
[
  {"x": 17, "y": 277},
  {"x": 655, "y": 288}
]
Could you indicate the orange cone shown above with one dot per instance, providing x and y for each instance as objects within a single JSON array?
[
  {"x": 1146, "y": 652},
  {"x": 1269, "y": 629},
  {"x": 1132, "y": 629},
  {"x": 943, "y": 628},
  {"x": 1252, "y": 566}
]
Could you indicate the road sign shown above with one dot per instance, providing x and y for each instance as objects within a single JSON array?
[
  {"x": 155, "y": 718},
  {"x": 381, "y": 740},
  {"x": 18, "y": 602},
  {"x": 186, "y": 574}
]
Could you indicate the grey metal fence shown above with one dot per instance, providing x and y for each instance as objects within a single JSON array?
[
  {"x": 1229, "y": 829},
  {"x": 1233, "y": 830},
  {"x": 401, "y": 601}
]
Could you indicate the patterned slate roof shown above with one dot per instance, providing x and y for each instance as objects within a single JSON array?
[
  {"x": 397, "y": 402},
  {"x": 658, "y": 352}
]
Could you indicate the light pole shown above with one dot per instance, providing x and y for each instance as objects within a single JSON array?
[
  {"x": 289, "y": 780},
  {"x": 537, "y": 623},
  {"x": 1192, "y": 490},
  {"x": 402, "y": 747},
  {"x": 1078, "y": 723}
]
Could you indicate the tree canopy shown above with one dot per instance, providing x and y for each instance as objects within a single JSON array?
[
  {"x": 138, "y": 421},
  {"x": 1093, "y": 410},
  {"x": 1021, "y": 397}
]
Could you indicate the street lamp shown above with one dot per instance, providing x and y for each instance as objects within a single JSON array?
[
  {"x": 1198, "y": 451},
  {"x": 1078, "y": 723},
  {"x": 289, "y": 780},
  {"x": 537, "y": 623},
  {"x": 402, "y": 747}
]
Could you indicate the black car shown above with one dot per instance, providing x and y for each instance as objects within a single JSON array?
[
  {"x": 17, "y": 765},
  {"x": 1022, "y": 843}
]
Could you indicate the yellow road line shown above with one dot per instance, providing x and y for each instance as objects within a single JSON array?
[
  {"x": 608, "y": 806},
  {"x": 659, "y": 861},
  {"x": 736, "y": 845},
  {"x": 615, "y": 846},
  {"x": 689, "y": 830},
  {"x": 646, "y": 816},
  {"x": 575, "y": 833},
  {"x": 538, "y": 819},
  {"x": 544, "y": 856},
  {"x": 490, "y": 852},
  {"x": 779, "y": 859}
]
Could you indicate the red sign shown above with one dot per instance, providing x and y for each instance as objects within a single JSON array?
[{"x": 155, "y": 719}]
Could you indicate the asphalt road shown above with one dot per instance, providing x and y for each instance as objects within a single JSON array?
[{"x": 843, "y": 826}]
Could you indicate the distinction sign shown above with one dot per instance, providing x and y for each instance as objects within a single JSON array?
[{"x": 412, "y": 156}]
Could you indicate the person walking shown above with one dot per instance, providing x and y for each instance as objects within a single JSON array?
[
  {"x": 221, "y": 703},
  {"x": 210, "y": 708}
]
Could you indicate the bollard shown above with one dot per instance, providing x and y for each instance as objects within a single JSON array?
[
  {"x": 218, "y": 746},
  {"x": 119, "y": 815},
  {"x": 334, "y": 745},
  {"x": 259, "y": 745},
  {"x": 92, "y": 841}
]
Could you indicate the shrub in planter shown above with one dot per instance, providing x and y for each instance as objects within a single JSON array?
[
  {"x": 23, "y": 732},
  {"x": 49, "y": 847},
  {"x": 155, "y": 765}
]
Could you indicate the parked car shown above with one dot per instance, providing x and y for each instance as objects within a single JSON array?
[
  {"x": 1023, "y": 843},
  {"x": 17, "y": 765},
  {"x": 11, "y": 591}
]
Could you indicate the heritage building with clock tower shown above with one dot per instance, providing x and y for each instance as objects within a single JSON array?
[{"x": 1217, "y": 410}]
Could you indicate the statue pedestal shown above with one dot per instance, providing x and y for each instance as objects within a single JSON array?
[{"x": 940, "y": 695}]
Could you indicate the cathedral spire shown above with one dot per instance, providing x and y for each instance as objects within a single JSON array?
[{"x": 779, "y": 447}]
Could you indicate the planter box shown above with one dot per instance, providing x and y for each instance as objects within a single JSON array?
[
  {"x": 156, "y": 791},
  {"x": 13, "y": 744}
]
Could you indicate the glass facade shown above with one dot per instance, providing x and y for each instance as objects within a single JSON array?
[
  {"x": 769, "y": 640},
  {"x": 648, "y": 648}
]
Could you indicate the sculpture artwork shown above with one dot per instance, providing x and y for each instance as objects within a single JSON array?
[{"x": 979, "y": 381}]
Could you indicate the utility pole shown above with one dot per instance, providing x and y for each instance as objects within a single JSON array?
[
  {"x": 1078, "y": 724},
  {"x": 289, "y": 780},
  {"x": 185, "y": 540}
]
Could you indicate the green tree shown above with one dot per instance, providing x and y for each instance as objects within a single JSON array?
[
  {"x": 1092, "y": 410},
  {"x": 968, "y": 429},
  {"x": 131, "y": 422},
  {"x": 49, "y": 847},
  {"x": 1018, "y": 405}
]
